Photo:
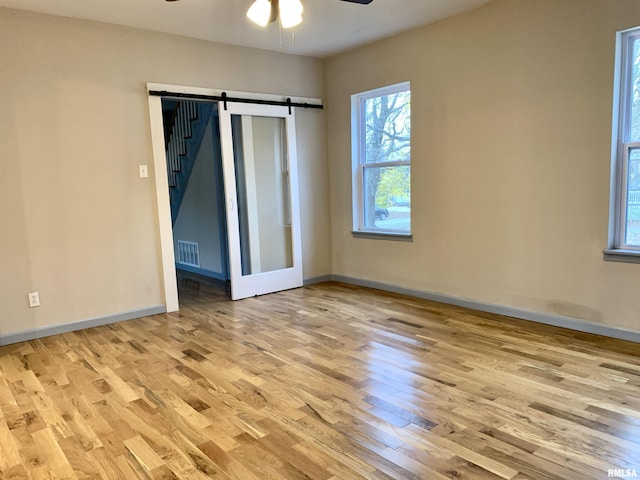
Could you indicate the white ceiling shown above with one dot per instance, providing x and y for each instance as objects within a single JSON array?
[{"x": 329, "y": 26}]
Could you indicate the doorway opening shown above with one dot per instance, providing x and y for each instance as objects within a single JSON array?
[{"x": 196, "y": 196}]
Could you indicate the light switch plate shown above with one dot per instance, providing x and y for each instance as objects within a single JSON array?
[{"x": 143, "y": 171}]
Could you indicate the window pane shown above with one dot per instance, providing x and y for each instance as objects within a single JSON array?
[
  {"x": 633, "y": 198},
  {"x": 387, "y": 198},
  {"x": 635, "y": 91},
  {"x": 388, "y": 128}
]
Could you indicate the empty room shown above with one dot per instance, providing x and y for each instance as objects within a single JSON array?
[{"x": 320, "y": 239}]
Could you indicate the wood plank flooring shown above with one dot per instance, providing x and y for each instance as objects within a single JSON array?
[{"x": 327, "y": 382}]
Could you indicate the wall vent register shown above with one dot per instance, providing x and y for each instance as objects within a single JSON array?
[{"x": 188, "y": 253}]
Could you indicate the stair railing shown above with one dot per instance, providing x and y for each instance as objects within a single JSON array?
[{"x": 186, "y": 112}]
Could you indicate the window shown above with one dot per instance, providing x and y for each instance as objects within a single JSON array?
[
  {"x": 624, "y": 236},
  {"x": 381, "y": 142}
]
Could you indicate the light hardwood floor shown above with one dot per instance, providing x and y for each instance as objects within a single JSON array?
[{"x": 326, "y": 382}]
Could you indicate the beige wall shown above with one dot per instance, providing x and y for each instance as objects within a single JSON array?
[
  {"x": 76, "y": 222},
  {"x": 511, "y": 112}
]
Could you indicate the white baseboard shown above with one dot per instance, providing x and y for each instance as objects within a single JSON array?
[
  {"x": 47, "y": 331},
  {"x": 546, "y": 318}
]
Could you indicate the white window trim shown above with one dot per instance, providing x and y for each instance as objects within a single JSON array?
[
  {"x": 358, "y": 164},
  {"x": 617, "y": 250}
]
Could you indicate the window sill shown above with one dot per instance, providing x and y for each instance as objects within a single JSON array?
[
  {"x": 620, "y": 255},
  {"x": 394, "y": 236}
]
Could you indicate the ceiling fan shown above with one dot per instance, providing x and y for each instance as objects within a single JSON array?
[{"x": 264, "y": 12}]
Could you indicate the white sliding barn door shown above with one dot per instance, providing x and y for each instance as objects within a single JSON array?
[{"x": 261, "y": 185}]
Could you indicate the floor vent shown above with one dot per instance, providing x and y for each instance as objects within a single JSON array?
[{"x": 188, "y": 253}]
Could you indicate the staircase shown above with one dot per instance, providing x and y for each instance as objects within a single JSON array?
[{"x": 182, "y": 146}]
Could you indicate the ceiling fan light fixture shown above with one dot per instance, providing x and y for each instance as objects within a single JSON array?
[
  {"x": 260, "y": 12},
  {"x": 290, "y": 13}
]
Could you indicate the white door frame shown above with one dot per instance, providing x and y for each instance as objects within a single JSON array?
[{"x": 165, "y": 229}]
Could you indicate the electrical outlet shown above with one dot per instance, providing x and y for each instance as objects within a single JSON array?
[{"x": 34, "y": 299}]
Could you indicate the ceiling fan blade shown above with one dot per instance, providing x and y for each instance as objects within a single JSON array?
[{"x": 361, "y": 2}]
